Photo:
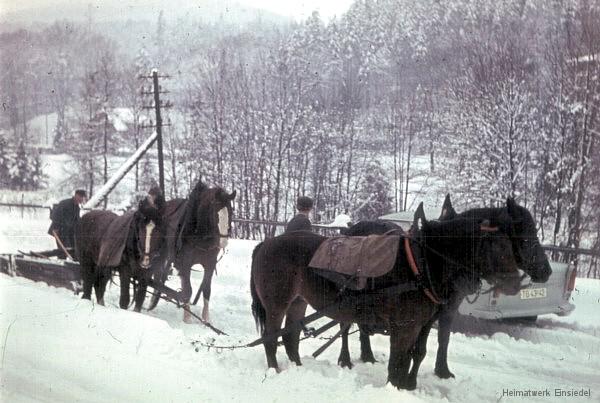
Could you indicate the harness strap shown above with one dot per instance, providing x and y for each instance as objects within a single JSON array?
[{"x": 415, "y": 269}]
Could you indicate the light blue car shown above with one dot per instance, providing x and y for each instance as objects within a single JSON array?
[{"x": 533, "y": 300}]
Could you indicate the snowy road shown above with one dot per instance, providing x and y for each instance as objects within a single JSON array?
[{"x": 57, "y": 347}]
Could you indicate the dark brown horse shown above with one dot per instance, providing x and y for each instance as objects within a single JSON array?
[
  {"x": 129, "y": 243},
  {"x": 198, "y": 228},
  {"x": 529, "y": 255},
  {"x": 282, "y": 283}
]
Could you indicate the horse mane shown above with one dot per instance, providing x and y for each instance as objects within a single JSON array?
[
  {"x": 188, "y": 225},
  {"x": 370, "y": 227}
]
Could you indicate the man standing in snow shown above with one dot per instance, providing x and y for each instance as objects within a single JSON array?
[
  {"x": 64, "y": 216},
  {"x": 301, "y": 221}
]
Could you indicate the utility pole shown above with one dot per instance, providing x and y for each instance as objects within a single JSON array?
[
  {"x": 159, "y": 143},
  {"x": 158, "y": 104}
]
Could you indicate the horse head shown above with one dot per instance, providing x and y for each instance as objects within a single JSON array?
[
  {"x": 149, "y": 228},
  {"x": 500, "y": 267},
  {"x": 528, "y": 251},
  {"x": 472, "y": 247},
  {"x": 522, "y": 231},
  {"x": 219, "y": 211},
  {"x": 209, "y": 214}
]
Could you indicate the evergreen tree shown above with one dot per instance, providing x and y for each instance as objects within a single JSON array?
[
  {"x": 148, "y": 175},
  {"x": 20, "y": 171},
  {"x": 5, "y": 164},
  {"x": 37, "y": 179},
  {"x": 374, "y": 194}
]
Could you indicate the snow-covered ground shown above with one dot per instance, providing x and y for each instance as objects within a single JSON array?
[{"x": 57, "y": 347}]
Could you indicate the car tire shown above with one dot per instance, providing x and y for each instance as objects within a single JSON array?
[{"x": 521, "y": 319}]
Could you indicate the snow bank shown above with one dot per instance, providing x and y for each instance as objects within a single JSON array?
[{"x": 58, "y": 347}]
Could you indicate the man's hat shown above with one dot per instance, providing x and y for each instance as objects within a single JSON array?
[
  {"x": 81, "y": 192},
  {"x": 304, "y": 203}
]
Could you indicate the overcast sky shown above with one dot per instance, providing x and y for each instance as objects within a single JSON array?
[{"x": 299, "y": 9}]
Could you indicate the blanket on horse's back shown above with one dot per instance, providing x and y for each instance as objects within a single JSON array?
[
  {"x": 114, "y": 239},
  {"x": 358, "y": 257}
]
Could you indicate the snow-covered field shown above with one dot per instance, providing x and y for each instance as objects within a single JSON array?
[{"x": 57, "y": 347}]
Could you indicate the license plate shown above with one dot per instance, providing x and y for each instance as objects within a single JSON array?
[{"x": 532, "y": 293}]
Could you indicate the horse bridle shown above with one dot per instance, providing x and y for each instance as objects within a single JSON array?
[
  {"x": 517, "y": 256},
  {"x": 423, "y": 277},
  {"x": 143, "y": 254}
]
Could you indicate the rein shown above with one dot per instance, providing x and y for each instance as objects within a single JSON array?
[
  {"x": 160, "y": 295},
  {"x": 429, "y": 291}
]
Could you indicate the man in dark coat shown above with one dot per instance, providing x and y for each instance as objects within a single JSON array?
[
  {"x": 301, "y": 221},
  {"x": 65, "y": 216}
]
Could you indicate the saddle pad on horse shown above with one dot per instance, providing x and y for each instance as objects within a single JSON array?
[
  {"x": 114, "y": 239},
  {"x": 357, "y": 256}
]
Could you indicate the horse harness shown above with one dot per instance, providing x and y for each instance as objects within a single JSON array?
[
  {"x": 420, "y": 277},
  {"x": 422, "y": 282},
  {"x": 351, "y": 261}
]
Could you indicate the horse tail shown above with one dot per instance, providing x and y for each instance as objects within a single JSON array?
[{"x": 258, "y": 310}]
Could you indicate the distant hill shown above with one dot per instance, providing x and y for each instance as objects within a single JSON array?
[{"x": 33, "y": 13}]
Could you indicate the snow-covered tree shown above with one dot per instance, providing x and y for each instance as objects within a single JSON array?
[
  {"x": 6, "y": 161},
  {"x": 26, "y": 170},
  {"x": 373, "y": 195}
]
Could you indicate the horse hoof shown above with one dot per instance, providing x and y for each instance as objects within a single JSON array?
[
  {"x": 404, "y": 384},
  {"x": 444, "y": 373},
  {"x": 187, "y": 317},
  {"x": 101, "y": 301},
  {"x": 345, "y": 364},
  {"x": 271, "y": 372},
  {"x": 410, "y": 385},
  {"x": 369, "y": 359}
]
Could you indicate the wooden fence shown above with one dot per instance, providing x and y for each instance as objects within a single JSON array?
[{"x": 259, "y": 229}]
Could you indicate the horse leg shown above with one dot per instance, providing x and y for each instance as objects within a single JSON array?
[
  {"x": 418, "y": 354},
  {"x": 184, "y": 267},
  {"x": 366, "y": 354},
  {"x": 125, "y": 281},
  {"x": 205, "y": 287},
  {"x": 401, "y": 342},
  {"x": 160, "y": 277},
  {"x": 102, "y": 277},
  {"x": 291, "y": 340},
  {"x": 444, "y": 324},
  {"x": 87, "y": 273},
  {"x": 140, "y": 294},
  {"x": 272, "y": 325},
  {"x": 344, "y": 360}
]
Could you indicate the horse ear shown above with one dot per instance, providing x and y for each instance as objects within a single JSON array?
[
  {"x": 448, "y": 211},
  {"x": 511, "y": 206},
  {"x": 419, "y": 219},
  {"x": 200, "y": 186}
]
